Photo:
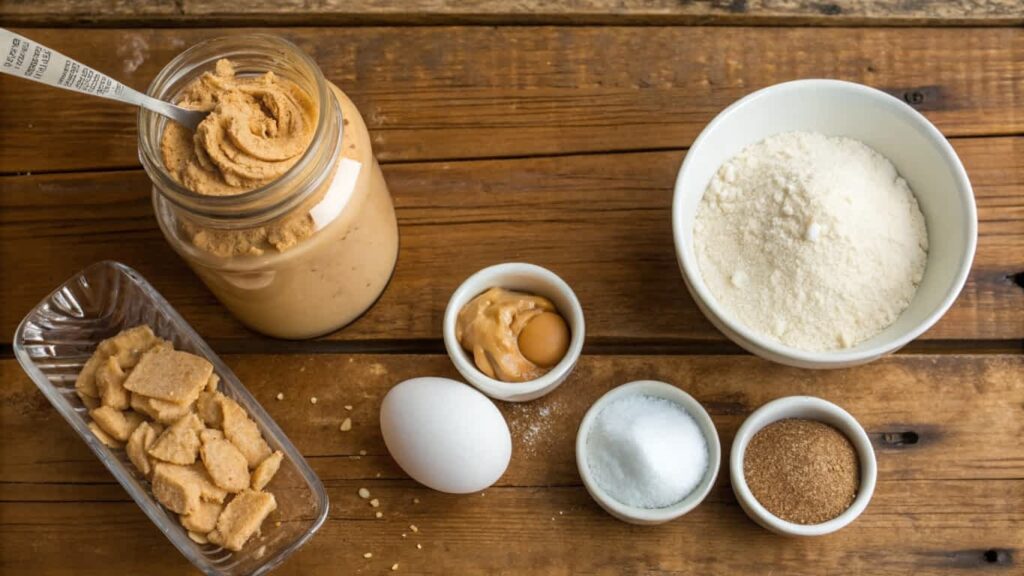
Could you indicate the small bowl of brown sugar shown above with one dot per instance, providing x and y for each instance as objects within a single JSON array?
[{"x": 802, "y": 466}]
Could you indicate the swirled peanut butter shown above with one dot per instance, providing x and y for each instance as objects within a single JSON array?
[
  {"x": 258, "y": 128},
  {"x": 492, "y": 327}
]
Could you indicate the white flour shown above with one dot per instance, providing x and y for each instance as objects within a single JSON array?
[{"x": 811, "y": 240}]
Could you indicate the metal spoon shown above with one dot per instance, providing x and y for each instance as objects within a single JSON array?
[{"x": 28, "y": 59}]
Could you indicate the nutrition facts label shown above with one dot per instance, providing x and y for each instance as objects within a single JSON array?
[{"x": 28, "y": 59}]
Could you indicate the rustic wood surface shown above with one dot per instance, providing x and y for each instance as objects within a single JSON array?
[
  {"x": 949, "y": 492},
  {"x": 477, "y": 92},
  {"x": 600, "y": 221},
  {"x": 335, "y": 12},
  {"x": 576, "y": 118}
]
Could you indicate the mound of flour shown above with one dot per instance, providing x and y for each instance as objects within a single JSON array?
[{"x": 811, "y": 240}]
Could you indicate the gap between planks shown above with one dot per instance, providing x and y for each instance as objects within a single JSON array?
[
  {"x": 470, "y": 159},
  {"x": 201, "y": 13},
  {"x": 596, "y": 347}
]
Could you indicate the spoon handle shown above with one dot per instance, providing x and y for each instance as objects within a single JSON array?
[{"x": 29, "y": 59}]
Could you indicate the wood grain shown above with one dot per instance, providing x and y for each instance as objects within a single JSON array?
[
  {"x": 733, "y": 12},
  {"x": 954, "y": 499},
  {"x": 600, "y": 221},
  {"x": 480, "y": 92}
]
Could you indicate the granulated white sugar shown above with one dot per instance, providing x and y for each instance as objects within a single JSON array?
[
  {"x": 531, "y": 423},
  {"x": 811, "y": 240},
  {"x": 646, "y": 452}
]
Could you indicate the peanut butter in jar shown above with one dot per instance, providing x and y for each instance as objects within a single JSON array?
[{"x": 276, "y": 200}]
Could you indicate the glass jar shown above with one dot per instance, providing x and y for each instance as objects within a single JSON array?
[{"x": 336, "y": 191}]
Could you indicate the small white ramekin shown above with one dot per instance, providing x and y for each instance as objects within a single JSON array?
[
  {"x": 649, "y": 516},
  {"x": 810, "y": 408},
  {"x": 524, "y": 278},
  {"x": 916, "y": 148}
]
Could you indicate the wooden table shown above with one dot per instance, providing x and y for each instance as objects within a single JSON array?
[{"x": 485, "y": 113}]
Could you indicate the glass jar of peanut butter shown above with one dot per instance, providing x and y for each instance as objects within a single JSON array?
[{"x": 276, "y": 200}]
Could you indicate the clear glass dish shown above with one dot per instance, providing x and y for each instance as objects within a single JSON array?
[{"x": 58, "y": 336}]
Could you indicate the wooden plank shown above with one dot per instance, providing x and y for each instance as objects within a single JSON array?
[
  {"x": 480, "y": 92},
  {"x": 954, "y": 499},
  {"x": 600, "y": 221},
  {"x": 733, "y": 12}
]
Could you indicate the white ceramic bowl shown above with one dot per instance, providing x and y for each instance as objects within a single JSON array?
[
  {"x": 525, "y": 278},
  {"x": 632, "y": 514},
  {"x": 810, "y": 408},
  {"x": 916, "y": 148}
]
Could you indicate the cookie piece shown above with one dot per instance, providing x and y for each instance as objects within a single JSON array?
[
  {"x": 110, "y": 384},
  {"x": 117, "y": 424},
  {"x": 241, "y": 519},
  {"x": 107, "y": 439},
  {"x": 203, "y": 518},
  {"x": 139, "y": 442},
  {"x": 179, "y": 444},
  {"x": 265, "y": 472},
  {"x": 170, "y": 375},
  {"x": 225, "y": 464},
  {"x": 243, "y": 432}
]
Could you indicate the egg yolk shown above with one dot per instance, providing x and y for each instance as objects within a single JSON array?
[{"x": 544, "y": 340}]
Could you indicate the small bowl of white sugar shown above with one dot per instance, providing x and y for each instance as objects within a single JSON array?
[
  {"x": 647, "y": 452},
  {"x": 823, "y": 224}
]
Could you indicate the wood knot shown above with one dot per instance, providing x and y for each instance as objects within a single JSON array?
[
  {"x": 973, "y": 558},
  {"x": 830, "y": 9},
  {"x": 997, "y": 556},
  {"x": 1017, "y": 279},
  {"x": 920, "y": 97},
  {"x": 898, "y": 439}
]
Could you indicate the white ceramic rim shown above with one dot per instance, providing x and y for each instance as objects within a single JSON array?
[
  {"x": 634, "y": 514},
  {"x": 789, "y": 407},
  {"x": 805, "y": 358},
  {"x": 514, "y": 391}
]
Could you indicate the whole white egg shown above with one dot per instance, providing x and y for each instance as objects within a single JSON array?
[{"x": 445, "y": 434}]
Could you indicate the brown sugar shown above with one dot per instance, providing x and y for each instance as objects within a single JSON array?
[{"x": 802, "y": 471}]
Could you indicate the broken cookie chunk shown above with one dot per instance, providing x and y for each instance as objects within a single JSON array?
[
  {"x": 85, "y": 384},
  {"x": 110, "y": 384},
  {"x": 209, "y": 435},
  {"x": 139, "y": 442},
  {"x": 265, "y": 472},
  {"x": 129, "y": 345},
  {"x": 204, "y": 518},
  {"x": 225, "y": 464},
  {"x": 184, "y": 487},
  {"x": 159, "y": 410},
  {"x": 243, "y": 432},
  {"x": 208, "y": 406},
  {"x": 170, "y": 375},
  {"x": 179, "y": 444},
  {"x": 241, "y": 519},
  {"x": 176, "y": 487},
  {"x": 119, "y": 425},
  {"x": 104, "y": 437}
]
